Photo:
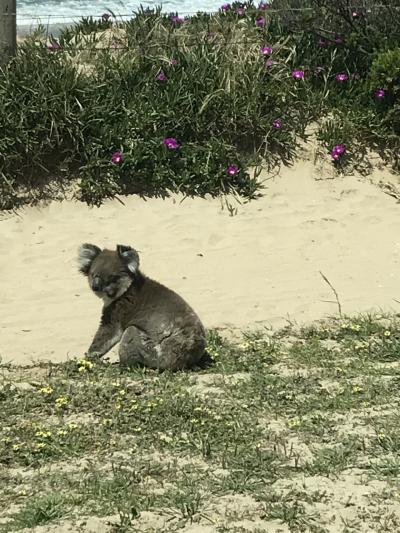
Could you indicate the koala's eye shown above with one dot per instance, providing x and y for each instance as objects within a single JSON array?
[{"x": 112, "y": 279}]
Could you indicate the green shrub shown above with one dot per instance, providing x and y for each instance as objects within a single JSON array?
[{"x": 204, "y": 81}]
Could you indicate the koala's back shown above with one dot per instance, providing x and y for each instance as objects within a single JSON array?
[{"x": 152, "y": 307}]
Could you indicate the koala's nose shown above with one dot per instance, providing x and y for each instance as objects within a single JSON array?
[{"x": 96, "y": 284}]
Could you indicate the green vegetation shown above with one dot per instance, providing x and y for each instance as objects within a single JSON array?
[
  {"x": 159, "y": 103},
  {"x": 297, "y": 429}
]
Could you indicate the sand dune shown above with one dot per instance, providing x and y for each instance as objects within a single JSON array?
[{"x": 260, "y": 266}]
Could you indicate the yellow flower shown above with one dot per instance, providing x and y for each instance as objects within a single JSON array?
[
  {"x": 16, "y": 447},
  {"x": 117, "y": 406},
  {"x": 43, "y": 434},
  {"x": 381, "y": 436},
  {"x": 294, "y": 422},
  {"x": 62, "y": 401},
  {"x": 121, "y": 393},
  {"x": 61, "y": 432},
  {"x": 137, "y": 429},
  {"x": 387, "y": 333},
  {"x": 357, "y": 388},
  {"x": 85, "y": 364},
  {"x": 72, "y": 425},
  {"x": 40, "y": 445},
  {"x": 46, "y": 390}
]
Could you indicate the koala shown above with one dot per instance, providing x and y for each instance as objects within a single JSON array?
[{"x": 156, "y": 328}]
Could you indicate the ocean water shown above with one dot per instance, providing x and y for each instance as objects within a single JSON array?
[{"x": 30, "y": 13}]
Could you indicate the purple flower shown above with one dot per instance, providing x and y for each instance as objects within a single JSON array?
[
  {"x": 161, "y": 76},
  {"x": 263, "y": 5},
  {"x": 240, "y": 11},
  {"x": 225, "y": 7},
  {"x": 171, "y": 143},
  {"x": 298, "y": 74},
  {"x": 260, "y": 21},
  {"x": 105, "y": 17},
  {"x": 277, "y": 124},
  {"x": 173, "y": 61},
  {"x": 116, "y": 158},
  {"x": 266, "y": 50},
  {"x": 232, "y": 170},
  {"x": 338, "y": 40},
  {"x": 379, "y": 93},
  {"x": 176, "y": 20},
  {"x": 321, "y": 42},
  {"x": 338, "y": 151},
  {"x": 270, "y": 63},
  {"x": 355, "y": 14},
  {"x": 342, "y": 76},
  {"x": 54, "y": 45}
]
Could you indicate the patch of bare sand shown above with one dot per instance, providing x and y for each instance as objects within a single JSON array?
[
  {"x": 206, "y": 384},
  {"x": 345, "y": 500},
  {"x": 260, "y": 266}
]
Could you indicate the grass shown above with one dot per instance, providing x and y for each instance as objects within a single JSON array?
[{"x": 290, "y": 429}]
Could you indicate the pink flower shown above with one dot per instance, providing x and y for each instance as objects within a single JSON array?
[
  {"x": 176, "y": 20},
  {"x": 342, "y": 76},
  {"x": 298, "y": 74},
  {"x": 270, "y": 63},
  {"x": 171, "y": 143},
  {"x": 260, "y": 22},
  {"x": 321, "y": 42},
  {"x": 338, "y": 40},
  {"x": 277, "y": 124},
  {"x": 379, "y": 93},
  {"x": 116, "y": 158},
  {"x": 105, "y": 17},
  {"x": 161, "y": 76},
  {"x": 232, "y": 170},
  {"x": 54, "y": 45},
  {"x": 225, "y": 7},
  {"x": 266, "y": 50},
  {"x": 240, "y": 11},
  {"x": 337, "y": 151},
  {"x": 173, "y": 61},
  {"x": 263, "y": 5}
]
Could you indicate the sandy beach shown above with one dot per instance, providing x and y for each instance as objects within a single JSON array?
[{"x": 257, "y": 266}]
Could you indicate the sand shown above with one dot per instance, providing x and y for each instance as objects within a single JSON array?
[{"x": 259, "y": 267}]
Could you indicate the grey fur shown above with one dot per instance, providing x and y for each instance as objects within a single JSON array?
[{"x": 154, "y": 325}]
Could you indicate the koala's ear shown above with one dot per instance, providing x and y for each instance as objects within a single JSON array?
[
  {"x": 130, "y": 256},
  {"x": 86, "y": 254}
]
